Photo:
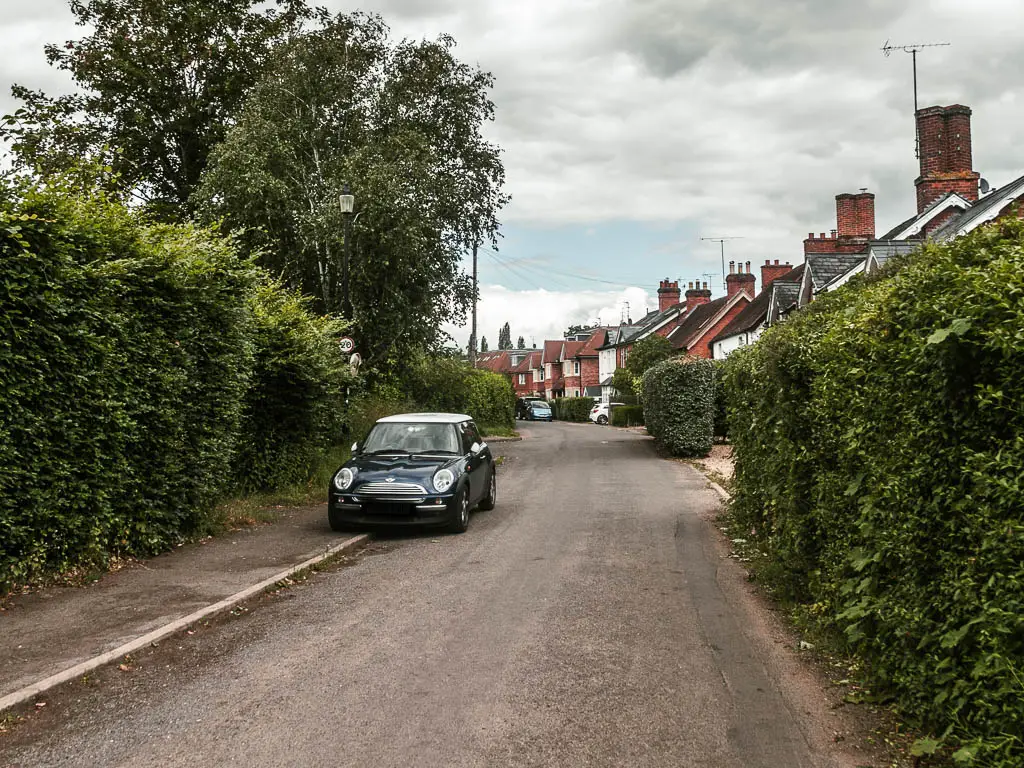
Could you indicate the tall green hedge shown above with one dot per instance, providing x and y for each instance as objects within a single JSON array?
[
  {"x": 572, "y": 408},
  {"x": 295, "y": 404},
  {"x": 451, "y": 385},
  {"x": 879, "y": 438},
  {"x": 678, "y": 398},
  {"x": 135, "y": 359}
]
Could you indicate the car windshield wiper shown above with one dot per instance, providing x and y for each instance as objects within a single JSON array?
[
  {"x": 400, "y": 451},
  {"x": 437, "y": 452}
]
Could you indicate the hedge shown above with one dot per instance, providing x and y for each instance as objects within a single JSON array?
[
  {"x": 294, "y": 405},
  {"x": 452, "y": 385},
  {"x": 572, "y": 408},
  {"x": 128, "y": 354},
  {"x": 879, "y": 438},
  {"x": 627, "y": 416},
  {"x": 721, "y": 419},
  {"x": 678, "y": 398}
]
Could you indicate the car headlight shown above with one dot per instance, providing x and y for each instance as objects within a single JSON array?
[
  {"x": 443, "y": 480},
  {"x": 343, "y": 480}
]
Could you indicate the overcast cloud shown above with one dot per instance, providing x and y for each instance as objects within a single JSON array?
[{"x": 735, "y": 117}]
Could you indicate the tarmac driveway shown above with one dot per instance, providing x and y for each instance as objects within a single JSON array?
[{"x": 591, "y": 619}]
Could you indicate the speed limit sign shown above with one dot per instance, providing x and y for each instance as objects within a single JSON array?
[{"x": 346, "y": 345}]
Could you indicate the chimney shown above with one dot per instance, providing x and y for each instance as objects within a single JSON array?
[
  {"x": 770, "y": 272},
  {"x": 695, "y": 295},
  {"x": 739, "y": 281},
  {"x": 668, "y": 294},
  {"x": 855, "y": 215},
  {"x": 944, "y": 146}
]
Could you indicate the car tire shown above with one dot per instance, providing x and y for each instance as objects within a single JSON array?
[
  {"x": 602, "y": 419},
  {"x": 337, "y": 523},
  {"x": 488, "y": 501},
  {"x": 460, "y": 522}
]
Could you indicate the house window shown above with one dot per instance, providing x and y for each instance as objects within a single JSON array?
[
  {"x": 576, "y": 368},
  {"x": 522, "y": 378}
]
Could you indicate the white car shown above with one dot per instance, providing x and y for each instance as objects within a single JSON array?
[{"x": 601, "y": 412}]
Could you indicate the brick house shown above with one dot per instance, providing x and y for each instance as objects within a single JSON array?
[
  {"x": 520, "y": 366},
  {"x": 952, "y": 200},
  {"x": 527, "y": 375}
]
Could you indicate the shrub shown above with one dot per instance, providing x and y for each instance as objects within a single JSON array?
[
  {"x": 678, "y": 398},
  {"x": 295, "y": 403},
  {"x": 125, "y": 353},
  {"x": 880, "y": 459},
  {"x": 573, "y": 408},
  {"x": 627, "y": 416},
  {"x": 491, "y": 401},
  {"x": 721, "y": 424}
]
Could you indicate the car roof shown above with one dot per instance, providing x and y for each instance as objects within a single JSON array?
[{"x": 425, "y": 418}]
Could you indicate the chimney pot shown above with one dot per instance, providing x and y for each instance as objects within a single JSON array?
[
  {"x": 822, "y": 235},
  {"x": 776, "y": 261},
  {"x": 705, "y": 285},
  {"x": 732, "y": 267}
]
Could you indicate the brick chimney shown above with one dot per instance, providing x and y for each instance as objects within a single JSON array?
[
  {"x": 695, "y": 295},
  {"x": 668, "y": 294},
  {"x": 737, "y": 281},
  {"x": 770, "y": 272},
  {"x": 944, "y": 140},
  {"x": 855, "y": 215}
]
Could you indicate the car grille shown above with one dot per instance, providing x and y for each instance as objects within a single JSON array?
[{"x": 392, "y": 491}]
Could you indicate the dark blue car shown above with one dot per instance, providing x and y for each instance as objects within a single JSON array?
[{"x": 417, "y": 469}]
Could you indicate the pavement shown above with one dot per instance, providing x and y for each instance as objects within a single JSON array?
[
  {"x": 60, "y": 629},
  {"x": 593, "y": 618}
]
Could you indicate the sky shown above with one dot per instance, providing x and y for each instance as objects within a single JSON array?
[{"x": 633, "y": 128}]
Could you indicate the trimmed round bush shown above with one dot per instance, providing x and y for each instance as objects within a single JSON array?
[{"x": 679, "y": 399}]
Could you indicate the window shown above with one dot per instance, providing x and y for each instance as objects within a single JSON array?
[
  {"x": 576, "y": 368},
  {"x": 522, "y": 378},
  {"x": 469, "y": 436}
]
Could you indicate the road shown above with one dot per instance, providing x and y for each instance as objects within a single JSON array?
[{"x": 591, "y": 619}]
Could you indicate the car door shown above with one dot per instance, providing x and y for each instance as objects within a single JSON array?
[{"x": 477, "y": 464}]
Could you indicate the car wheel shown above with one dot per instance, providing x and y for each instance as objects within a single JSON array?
[
  {"x": 460, "y": 522},
  {"x": 602, "y": 419},
  {"x": 488, "y": 502},
  {"x": 337, "y": 524}
]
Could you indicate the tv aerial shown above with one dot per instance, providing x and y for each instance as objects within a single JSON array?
[
  {"x": 721, "y": 242},
  {"x": 912, "y": 49}
]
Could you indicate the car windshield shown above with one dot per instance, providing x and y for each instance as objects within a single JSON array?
[
  {"x": 540, "y": 406},
  {"x": 411, "y": 437}
]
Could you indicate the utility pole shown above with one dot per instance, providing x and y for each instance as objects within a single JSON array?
[
  {"x": 912, "y": 49},
  {"x": 472, "y": 336},
  {"x": 721, "y": 242}
]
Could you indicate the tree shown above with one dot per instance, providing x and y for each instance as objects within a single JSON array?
[
  {"x": 159, "y": 84},
  {"x": 401, "y": 123},
  {"x": 521, "y": 344},
  {"x": 572, "y": 330},
  {"x": 505, "y": 337},
  {"x": 483, "y": 344}
]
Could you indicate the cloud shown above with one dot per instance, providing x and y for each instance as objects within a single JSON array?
[{"x": 541, "y": 314}]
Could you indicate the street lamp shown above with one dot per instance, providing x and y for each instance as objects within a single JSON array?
[{"x": 348, "y": 203}]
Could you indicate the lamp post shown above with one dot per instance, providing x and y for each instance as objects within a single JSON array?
[{"x": 348, "y": 203}]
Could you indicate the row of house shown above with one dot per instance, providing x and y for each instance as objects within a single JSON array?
[{"x": 952, "y": 200}]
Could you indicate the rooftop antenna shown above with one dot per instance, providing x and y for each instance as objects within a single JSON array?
[
  {"x": 912, "y": 49},
  {"x": 721, "y": 241}
]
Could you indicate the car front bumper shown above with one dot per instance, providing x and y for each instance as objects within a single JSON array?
[{"x": 436, "y": 510}]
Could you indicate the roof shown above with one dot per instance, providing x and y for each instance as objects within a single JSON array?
[
  {"x": 618, "y": 335},
  {"x": 699, "y": 315},
  {"x": 981, "y": 212},
  {"x": 528, "y": 363},
  {"x": 593, "y": 344},
  {"x": 425, "y": 418},
  {"x": 913, "y": 226},
  {"x": 750, "y": 317},
  {"x": 552, "y": 351},
  {"x": 571, "y": 349},
  {"x": 880, "y": 251},
  {"x": 826, "y": 267},
  {"x": 496, "y": 360},
  {"x": 785, "y": 292}
]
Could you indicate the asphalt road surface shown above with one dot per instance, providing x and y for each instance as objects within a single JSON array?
[{"x": 591, "y": 619}]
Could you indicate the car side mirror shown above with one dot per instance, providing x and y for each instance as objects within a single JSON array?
[
  {"x": 476, "y": 448},
  {"x": 355, "y": 448}
]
